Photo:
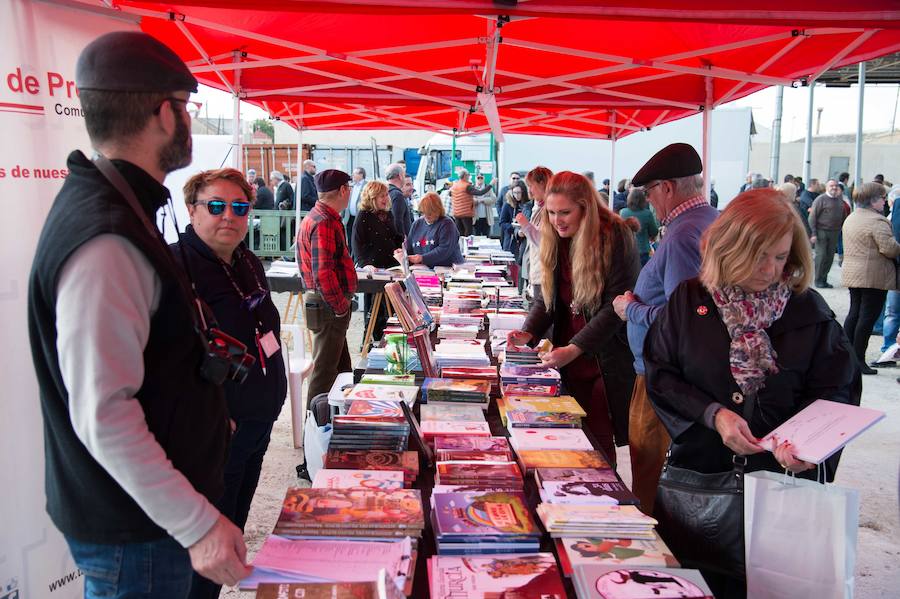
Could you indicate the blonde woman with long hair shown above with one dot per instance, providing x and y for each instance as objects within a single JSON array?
[{"x": 588, "y": 257}]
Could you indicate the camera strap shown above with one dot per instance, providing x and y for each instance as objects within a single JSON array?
[{"x": 115, "y": 178}]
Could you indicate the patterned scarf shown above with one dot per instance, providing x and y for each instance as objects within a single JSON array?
[{"x": 746, "y": 316}]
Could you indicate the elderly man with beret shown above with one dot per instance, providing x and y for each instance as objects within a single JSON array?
[
  {"x": 135, "y": 430},
  {"x": 673, "y": 183},
  {"x": 329, "y": 278}
]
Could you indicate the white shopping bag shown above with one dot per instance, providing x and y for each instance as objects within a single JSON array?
[
  {"x": 800, "y": 538},
  {"x": 315, "y": 444}
]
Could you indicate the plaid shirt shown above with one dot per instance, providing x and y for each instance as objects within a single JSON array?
[
  {"x": 694, "y": 202},
  {"x": 324, "y": 259}
]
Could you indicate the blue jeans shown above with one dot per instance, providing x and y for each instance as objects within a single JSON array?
[
  {"x": 891, "y": 319},
  {"x": 156, "y": 569}
]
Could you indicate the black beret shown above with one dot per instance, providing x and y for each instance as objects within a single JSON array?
[
  {"x": 132, "y": 61},
  {"x": 331, "y": 179},
  {"x": 672, "y": 162}
]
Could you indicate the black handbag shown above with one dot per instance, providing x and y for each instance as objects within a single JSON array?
[{"x": 701, "y": 517}]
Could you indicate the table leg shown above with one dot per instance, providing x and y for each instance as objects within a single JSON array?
[
  {"x": 370, "y": 330},
  {"x": 287, "y": 309}
]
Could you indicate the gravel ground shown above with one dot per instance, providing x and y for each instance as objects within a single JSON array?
[{"x": 870, "y": 464}]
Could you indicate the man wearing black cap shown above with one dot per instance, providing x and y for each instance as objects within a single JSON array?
[
  {"x": 135, "y": 434},
  {"x": 329, "y": 277},
  {"x": 673, "y": 184}
]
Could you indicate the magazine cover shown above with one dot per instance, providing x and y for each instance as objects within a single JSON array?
[
  {"x": 407, "y": 461},
  {"x": 432, "y": 428},
  {"x": 364, "y": 508},
  {"x": 541, "y": 438},
  {"x": 531, "y": 390},
  {"x": 370, "y": 479},
  {"x": 375, "y": 407},
  {"x": 435, "y": 386},
  {"x": 383, "y": 392},
  {"x": 561, "y": 403},
  {"x": 602, "y": 582},
  {"x": 478, "y": 471},
  {"x": 561, "y": 458},
  {"x": 529, "y": 419},
  {"x": 451, "y": 413},
  {"x": 421, "y": 313},
  {"x": 471, "y": 443},
  {"x": 475, "y": 514},
  {"x": 618, "y": 552},
  {"x": 583, "y": 493},
  {"x": 594, "y": 475},
  {"x": 532, "y": 576}
]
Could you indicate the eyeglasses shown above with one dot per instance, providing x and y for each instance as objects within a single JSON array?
[
  {"x": 217, "y": 207},
  {"x": 171, "y": 100},
  {"x": 514, "y": 178},
  {"x": 647, "y": 188}
]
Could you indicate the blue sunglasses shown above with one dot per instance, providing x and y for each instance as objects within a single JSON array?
[{"x": 217, "y": 207}]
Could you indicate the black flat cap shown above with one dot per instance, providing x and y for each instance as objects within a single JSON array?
[
  {"x": 331, "y": 179},
  {"x": 132, "y": 61},
  {"x": 672, "y": 162}
]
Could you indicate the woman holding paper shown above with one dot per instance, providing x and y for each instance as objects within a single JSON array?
[
  {"x": 743, "y": 348},
  {"x": 588, "y": 257}
]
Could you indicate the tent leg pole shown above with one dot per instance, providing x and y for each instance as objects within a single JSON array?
[
  {"x": 858, "y": 179},
  {"x": 236, "y": 139},
  {"x": 776, "y": 135},
  {"x": 807, "y": 146},
  {"x": 707, "y": 138}
]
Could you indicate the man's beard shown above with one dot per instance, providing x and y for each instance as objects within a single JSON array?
[{"x": 178, "y": 152}]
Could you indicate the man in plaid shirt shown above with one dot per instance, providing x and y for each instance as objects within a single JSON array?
[{"x": 329, "y": 278}]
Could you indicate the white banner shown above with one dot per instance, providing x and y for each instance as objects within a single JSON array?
[{"x": 40, "y": 117}]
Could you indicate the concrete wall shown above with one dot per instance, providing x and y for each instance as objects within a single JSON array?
[{"x": 877, "y": 158}]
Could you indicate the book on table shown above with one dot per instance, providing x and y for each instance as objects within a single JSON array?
[
  {"x": 593, "y": 581},
  {"x": 383, "y": 392},
  {"x": 327, "y": 478},
  {"x": 530, "y": 459},
  {"x": 527, "y": 576},
  {"x": 323, "y": 560},
  {"x": 384, "y": 588},
  {"x": 617, "y": 552},
  {"x": 587, "y": 493},
  {"x": 471, "y": 443},
  {"x": 543, "y": 438},
  {"x": 355, "y": 512},
  {"x": 403, "y": 461}
]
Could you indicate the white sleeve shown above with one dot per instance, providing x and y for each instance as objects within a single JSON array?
[{"x": 106, "y": 294}]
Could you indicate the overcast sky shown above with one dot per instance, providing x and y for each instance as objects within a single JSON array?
[{"x": 838, "y": 115}]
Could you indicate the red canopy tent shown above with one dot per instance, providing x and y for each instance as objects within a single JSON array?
[{"x": 553, "y": 67}]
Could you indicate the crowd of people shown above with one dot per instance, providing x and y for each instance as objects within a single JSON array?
[{"x": 678, "y": 328}]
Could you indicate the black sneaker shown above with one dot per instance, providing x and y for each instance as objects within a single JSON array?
[
  {"x": 885, "y": 364},
  {"x": 866, "y": 369}
]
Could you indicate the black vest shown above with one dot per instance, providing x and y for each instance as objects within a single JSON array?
[{"x": 186, "y": 414}]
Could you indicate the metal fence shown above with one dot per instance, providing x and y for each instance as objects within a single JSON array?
[{"x": 272, "y": 233}]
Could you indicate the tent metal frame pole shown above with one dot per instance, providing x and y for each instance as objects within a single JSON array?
[
  {"x": 858, "y": 177},
  {"x": 237, "y": 139},
  {"x": 612, "y": 157},
  {"x": 776, "y": 135},
  {"x": 299, "y": 191},
  {"x": 807, "y": 145},
  {"x": 707, "y": 137}
]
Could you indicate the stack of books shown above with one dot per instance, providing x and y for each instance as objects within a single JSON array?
[
  {"x": 525, "y": 411},
  {"x": 353, "y": 513},
  {"x": 613, "y": 521},
  {"x": 595, "y": 581},
  {"x": 583, "y": 486},
  {"x": 408, "y": 380},
  {"x": 458, "y": 331},
  {"x": 451, "y": 353},
  {"x": 526, "y": 576},
  {"x": 406, "y": 462},
  {"x": 471, "y": 320},
  {"x": 483, "y": 522},
  {"x": 521, "y": 390},
  {"x": 456, "y": 391},
  {"x": 521, "y": 354},
  {"x": 440, "y": 426},
  {"x": 370, "y": 424},
  {"x": 528, "y": 375},
  {"x": 479, "y": 474},
  {"x": 491, "y": 449}
]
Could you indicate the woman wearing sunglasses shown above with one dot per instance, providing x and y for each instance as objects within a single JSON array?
[{"x": 232, "y": 281}]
